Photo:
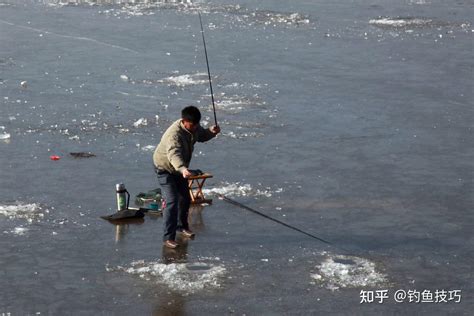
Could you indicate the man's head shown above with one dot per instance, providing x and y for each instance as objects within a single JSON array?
[{"x": 191, "y": 118}]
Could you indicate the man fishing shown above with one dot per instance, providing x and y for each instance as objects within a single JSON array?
[{"x": 171, "y": 159}]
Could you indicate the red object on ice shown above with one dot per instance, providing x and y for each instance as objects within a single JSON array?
[{"x": 54, "y": 157}]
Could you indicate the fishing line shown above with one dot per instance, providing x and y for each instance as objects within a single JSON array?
[
  {"x": 208, "y": 70},
  {"x": 231, "y": 201}
]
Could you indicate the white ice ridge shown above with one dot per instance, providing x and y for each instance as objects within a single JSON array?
[
  {"x": 186, "y": 278},
  {"x": 21, "y": 210},
  {"x": 186, "y": 79},
  {"x": 148, "y": 148},
  {"x": 141, "y": 122},
  {"x": 235, "y": 103},
  {"x": 4, "y": 136},
  {"x": 17, "y": 231},
  {"x": 81, "y": 38},
  {"x": 340, "y": 271},
  {"x": 400, "y": 22},
  {"x": 231, "y": 134},
  {"x": 238, "y": 189}
]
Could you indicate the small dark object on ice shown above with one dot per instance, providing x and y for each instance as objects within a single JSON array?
[{"x": 82, "y": 155}]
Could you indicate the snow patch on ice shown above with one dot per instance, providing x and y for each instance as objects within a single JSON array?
[
  {"x": 400, "y": 22},
  {"x": 269, "y": 18},
  {"x": 4, "y": 135},
  {"x": 237, "y": 103},
  {"x": 130, "y": 8},
  {"x": 148, "y": 148},
  {"x": 186, "y": 79},
  {"x": 186, "y": 278},
  {"x": 20, "y": 231},
  {"x": 235, "y": 13},
  {"x": 347, "y": 272},
  {"x": 238, "y": 189},
  {"x": 141, "y": 122},
  {"x": 418, "y": 2},
  {"x": 21, "y": 210},
  {"x": 234, "y": 135}
]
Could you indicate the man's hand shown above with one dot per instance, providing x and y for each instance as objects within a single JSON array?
[
  {"x": 215, "y": 129},
  {"x": 187, "y": 173}
]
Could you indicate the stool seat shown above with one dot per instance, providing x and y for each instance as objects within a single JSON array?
[{"x": 195, "y": 185}]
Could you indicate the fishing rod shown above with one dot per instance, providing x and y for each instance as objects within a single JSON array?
[
  {"x": 231, "y": 201},
  {"x": 208, "y": 70}
]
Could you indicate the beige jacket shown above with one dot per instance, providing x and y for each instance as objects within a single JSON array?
[{"x": 175, "y": 150}]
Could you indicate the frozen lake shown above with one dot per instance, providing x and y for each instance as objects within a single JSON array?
[{"x": 351, "y": 120}]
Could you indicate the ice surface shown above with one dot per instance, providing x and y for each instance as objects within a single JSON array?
[
  {"x": 186, "y": 278},
  {"x": 339, "y": 271},
  {"x": 335, "y": 99}
]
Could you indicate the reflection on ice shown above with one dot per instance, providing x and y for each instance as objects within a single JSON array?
[{"x": 339, "y": 271}]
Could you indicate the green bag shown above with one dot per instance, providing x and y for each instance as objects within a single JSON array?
[{"x": 150, "y": 199}]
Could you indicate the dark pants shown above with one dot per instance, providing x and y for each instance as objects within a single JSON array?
[{"x": 174, "y": 189}]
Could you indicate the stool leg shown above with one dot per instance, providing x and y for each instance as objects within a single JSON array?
[
  {"x": 195, "y": 187},
  {"x": 200, "y": 194},
  {"x": 191, "y": 191}
]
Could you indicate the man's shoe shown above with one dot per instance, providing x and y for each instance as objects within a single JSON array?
[
  {"x": 187, "y": 233},
  {"x": 171, "y": 244}
]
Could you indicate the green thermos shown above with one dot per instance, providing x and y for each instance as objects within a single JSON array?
[{"x": 123, "y": 197}]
